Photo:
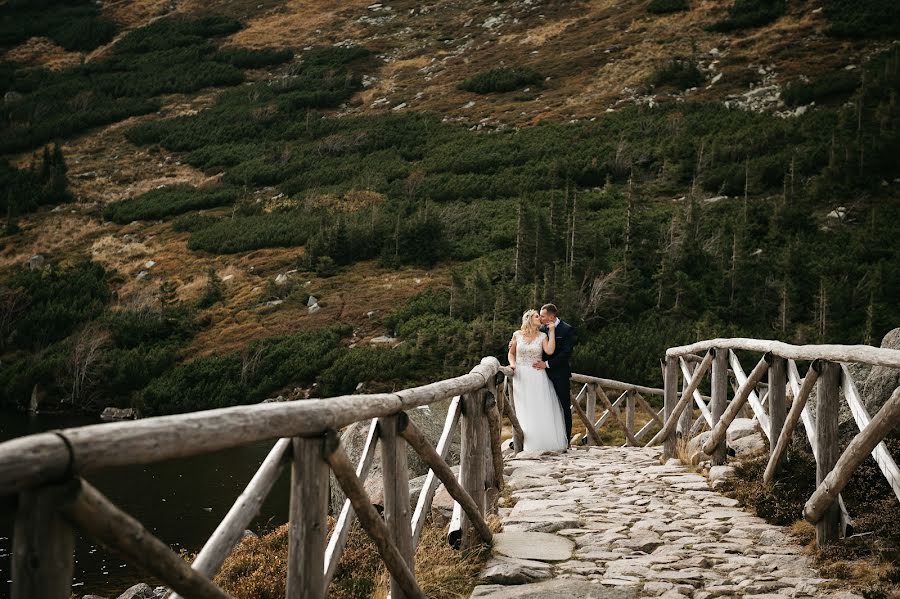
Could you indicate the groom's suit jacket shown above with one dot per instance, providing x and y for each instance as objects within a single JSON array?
[{"x": 560, "y": 369}]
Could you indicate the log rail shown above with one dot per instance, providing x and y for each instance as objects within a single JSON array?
[
  {"x": 44, "y": 474},
  {"x": 828, "y": 375}
]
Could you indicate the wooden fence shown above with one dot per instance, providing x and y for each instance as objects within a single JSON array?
[
  {"x": 827, "y": 372},
  {"x": 44, "y": 473}
]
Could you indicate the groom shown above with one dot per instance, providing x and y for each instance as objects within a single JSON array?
[{"x": 557, "y": 364}]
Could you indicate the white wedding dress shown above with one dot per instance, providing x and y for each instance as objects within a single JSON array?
[{"x": 537, "y": 407}]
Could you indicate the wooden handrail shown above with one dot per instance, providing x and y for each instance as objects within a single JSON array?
[
  {"x": 38, "y": 459},
  {"x": 865, "y": 354}
]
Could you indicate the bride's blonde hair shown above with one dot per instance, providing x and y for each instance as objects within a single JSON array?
[{"x": 528, "y": 327}]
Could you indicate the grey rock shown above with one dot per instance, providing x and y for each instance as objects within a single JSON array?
[
  {"x": 113, "y": 414},
  {"x": 720, "y": 472},
  {"x": 139, "y": 591},
  {"x": 506, "y": 570},
  {"x": 881, "y": 381},
  {"x": 36, "y": 262},
  {"x": 570, "y": 588},
  {"x": 740, "y": 428},
  {"x": 748, "y": 446},
  {"x": 353, "y": 438},
  {"x": 539, "y": 546}
]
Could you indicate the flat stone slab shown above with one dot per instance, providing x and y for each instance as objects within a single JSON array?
[
  {"x": 509, "y": 570},
  {"x": 538, "y": 546},
  {"x": 563, "y": 588}
]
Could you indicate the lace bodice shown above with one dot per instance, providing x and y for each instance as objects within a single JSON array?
[{"x": 528, "y": 353}]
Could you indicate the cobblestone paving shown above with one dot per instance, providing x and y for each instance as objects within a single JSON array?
[{"x": 608, "y": 522}]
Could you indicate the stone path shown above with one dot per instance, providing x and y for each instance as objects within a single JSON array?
[{"x": 605, "y": 522}]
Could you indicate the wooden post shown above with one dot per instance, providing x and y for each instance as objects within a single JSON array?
[
  {"x": 471, "y": 461},
  {"x": 368, "y": 516},
  {"x": 740, "y": 398},
  {"x": 670, "y": 398},
  {"x": 308, "y": 520},
  {"x": 614, "y": 414},
  {"x": 430, "y": 456},
  {"x": 687, "y": 398},
  {"x": 683, "y": 428},
  {"x": 777, "y": 410},
  {"x": 590, "y": 407},
  {"x": 396, "y": 491},
  {"x": 719, "y": 399},
  {"x": 588, "y": 425},
  {"x": 493, "y": 421},
  {"x": 629, "y": 412},
  {"x": 858, "y": 451},
  {"x": 828, "y": 527},
  {"x": 43, "y": 546}
]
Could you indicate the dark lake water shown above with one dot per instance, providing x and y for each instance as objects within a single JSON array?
[{"x": 180, "y": 501}]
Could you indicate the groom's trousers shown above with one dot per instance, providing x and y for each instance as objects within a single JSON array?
[{"x": 561, "y": 386}]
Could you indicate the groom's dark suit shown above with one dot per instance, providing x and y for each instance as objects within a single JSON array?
[{"x": 560, "y": 370}]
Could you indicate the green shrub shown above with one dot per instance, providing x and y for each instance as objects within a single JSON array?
[
  {"x": 170, "y": 55},
  {"x": 679, "y": 72},
  {"x": 246, "y": 233},
  {"x": 167, "y": 201},
  {"x": 863, "y": 18},
  {"x": 43, "y": 184},
  {"x": 830, "y": 86},
  {"x": 252, "y": 58},
  {"x": 361, "y": 365},
  {"x": 58, "y": 301},
  {"x": 244, "y": 377},
  {"x": 664, "y": 7},
  {"x": 76, "y": 25},
  {"x": 745, "y": 14},
  {"x": 503, "y": 79}
]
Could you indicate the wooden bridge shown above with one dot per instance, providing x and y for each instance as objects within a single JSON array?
[{"x": 43, "y": 473}]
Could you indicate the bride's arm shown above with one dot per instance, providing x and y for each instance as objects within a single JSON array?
[
  {"x": 549, "y": 342},
  {"x": 512, "y": 352}
]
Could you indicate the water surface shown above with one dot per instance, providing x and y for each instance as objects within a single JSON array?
[{"x": 180, "y": 501}]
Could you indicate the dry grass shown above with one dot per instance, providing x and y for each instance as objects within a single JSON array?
[
  {"x": 258, "y": 566},
  {"x": 43, "y": 52}
]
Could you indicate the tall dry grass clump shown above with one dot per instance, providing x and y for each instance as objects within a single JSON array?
[{"x": 258, "y": 566}]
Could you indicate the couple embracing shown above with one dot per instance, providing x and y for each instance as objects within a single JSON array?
[{"x": 539, "y": 353}]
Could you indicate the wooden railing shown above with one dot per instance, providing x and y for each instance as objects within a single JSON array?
[
  {"x": 827, "y": 372},
  {"x": 44, "y": 473}
]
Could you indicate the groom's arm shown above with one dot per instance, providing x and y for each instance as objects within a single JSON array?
[{"x": 563, "y": 351}]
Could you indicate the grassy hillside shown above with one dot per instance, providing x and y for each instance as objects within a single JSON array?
[{"x": 663, "y": 171}]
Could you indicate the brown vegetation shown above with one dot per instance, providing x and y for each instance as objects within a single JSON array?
[{"x": 257, "y": 567}]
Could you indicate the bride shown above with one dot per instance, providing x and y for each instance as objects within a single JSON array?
[{"x": 537, "y": 407}]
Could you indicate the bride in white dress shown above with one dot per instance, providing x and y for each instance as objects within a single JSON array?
[{"x": 537, "y": 407}]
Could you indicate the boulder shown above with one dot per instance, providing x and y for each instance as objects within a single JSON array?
[
  {"x": 112, "y": 414},
  {"x": 139, "y": 591},
  {"x": 507, "y": 570},
  {"x": 746, "y": 447},
  {"x": 36, "y": 262},
  {"x": 740, "y": 428},
  {"x": 429, "y": 420},
  {"x": 877, "y": 387}
]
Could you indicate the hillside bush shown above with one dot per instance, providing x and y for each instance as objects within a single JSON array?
[
  {"x": 823, "y": 88},
  {"x": 746, "y": 14},
  {"x": 241, "y": 234},
  {"x": 244, "y": 377},
  {"x": 76, "y": 25},
  {"x": 863, "y": 18},
  {"x": 44, "y": 183},
  {"x": 664, "y": 7},
  {"x": 170, "y": 55},
  {"x": 503, "y": 79},
  {"x": 168, "y": 201},
  {"x": 679, "y": 72},
  {"x": 58, "y": 300},
  {"x": 253, "y": 58}
]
